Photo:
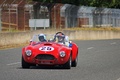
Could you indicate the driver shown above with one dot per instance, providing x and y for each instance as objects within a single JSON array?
[
  {"x": 60, "y": 38},
  {"x": 42, "y": 37}
]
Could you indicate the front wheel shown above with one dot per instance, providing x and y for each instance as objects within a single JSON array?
[
  {"x": 25, "y": 64},
  {"x": 74, "y": 63},
  {"x": 68, "y": 64}
]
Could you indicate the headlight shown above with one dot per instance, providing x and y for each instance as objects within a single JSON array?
[
  {"x": 28, "y": 52},
  {"x": 62, "y": 54}
]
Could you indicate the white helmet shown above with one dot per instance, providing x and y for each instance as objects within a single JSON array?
[{"x": 42, "y": 37}]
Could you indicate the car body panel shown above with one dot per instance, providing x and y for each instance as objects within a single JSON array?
[{"x": 48, "y": 53}]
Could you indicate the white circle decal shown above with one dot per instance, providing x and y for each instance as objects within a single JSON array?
[{"x": 46, "y": 48}]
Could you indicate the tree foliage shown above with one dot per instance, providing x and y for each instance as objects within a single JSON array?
[{"x": 95, "y": 3}]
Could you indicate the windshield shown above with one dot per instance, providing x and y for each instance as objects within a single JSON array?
[
  {"x": 58, "y": 38},
  {"x": 43, "y": 38}
]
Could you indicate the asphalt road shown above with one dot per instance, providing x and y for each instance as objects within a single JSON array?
[{"x": 98, "y": 60}]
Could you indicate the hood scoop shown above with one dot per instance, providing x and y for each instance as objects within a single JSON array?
[{"x": 47, "y": 44}]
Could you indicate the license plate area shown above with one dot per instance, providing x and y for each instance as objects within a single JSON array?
[{"x": 46, "y": 62}]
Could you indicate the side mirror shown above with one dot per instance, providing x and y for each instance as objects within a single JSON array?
[{"x": 30, "y": 41}]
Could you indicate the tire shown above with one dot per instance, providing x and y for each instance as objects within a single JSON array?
[
  {"x": 74, "y": 63},
  {"x": 25, "y": 64},
  {"x": 68, "y": 64}
]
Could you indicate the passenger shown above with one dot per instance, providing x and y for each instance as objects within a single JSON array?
[{"x": 42, "y": 38}]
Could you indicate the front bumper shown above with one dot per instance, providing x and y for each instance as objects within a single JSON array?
[
  {"x": 46, "y": 59},
  {"x": 45, "y": 62}
]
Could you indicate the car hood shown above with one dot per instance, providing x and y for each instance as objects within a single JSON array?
[{"x": 48, "y": 48}]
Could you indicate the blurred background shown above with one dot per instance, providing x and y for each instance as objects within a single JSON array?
[{"x": 28, "y": 15}]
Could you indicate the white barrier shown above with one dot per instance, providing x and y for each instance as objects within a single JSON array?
[{"x": 24, "y": 37}]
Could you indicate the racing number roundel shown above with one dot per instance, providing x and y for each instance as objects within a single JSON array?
[{"x": 46, "y": 48}]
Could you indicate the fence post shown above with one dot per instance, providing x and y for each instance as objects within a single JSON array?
[
  {"x": 0, "y": 21},
  {"x": 10, "y": 14},
  {"x": 55, "y": 16},
  {"x": 1, "y": 15}
]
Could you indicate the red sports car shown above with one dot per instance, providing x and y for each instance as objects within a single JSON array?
[{"x": 50, "y": 50}]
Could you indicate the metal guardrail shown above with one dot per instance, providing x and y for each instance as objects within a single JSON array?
[{"x": 90, "y": 16}]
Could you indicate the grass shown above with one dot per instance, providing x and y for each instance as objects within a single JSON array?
[
  {"x": 95, "y": 28},
  {"x": 12, "y": 46},
  {"x": 78, "y": 28}
]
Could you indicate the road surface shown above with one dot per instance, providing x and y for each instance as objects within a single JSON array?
[{"x": 98, "y": 60}]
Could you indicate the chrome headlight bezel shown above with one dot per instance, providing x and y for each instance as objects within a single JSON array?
[
  {"x": 28, "y": 52},
  {"x": 62, "y": 54}
]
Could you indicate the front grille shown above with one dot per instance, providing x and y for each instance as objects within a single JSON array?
[{"x": 45, "y": 57}]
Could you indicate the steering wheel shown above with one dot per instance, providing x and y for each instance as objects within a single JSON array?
[{"x": 59, "y": 33}]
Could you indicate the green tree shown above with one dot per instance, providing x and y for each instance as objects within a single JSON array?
[{"x": 95, "y": 3}]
